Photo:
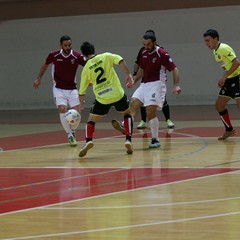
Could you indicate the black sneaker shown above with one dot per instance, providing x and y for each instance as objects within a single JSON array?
[{"x": 154, "y": 143}]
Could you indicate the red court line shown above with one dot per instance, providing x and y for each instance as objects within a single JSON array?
[
  {"x": 26, "y": 188},
  {"x": 59, "y": 137}
]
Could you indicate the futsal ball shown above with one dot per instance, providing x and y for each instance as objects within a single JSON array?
[{"x": 73, "y": 116}]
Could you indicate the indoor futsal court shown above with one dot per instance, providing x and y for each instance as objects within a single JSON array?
[{"x": 186, "y": 189}]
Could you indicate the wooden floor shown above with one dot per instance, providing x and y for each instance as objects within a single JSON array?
[{"x": 186, "y": 189}]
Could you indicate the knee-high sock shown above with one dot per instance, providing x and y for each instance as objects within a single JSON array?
[
  {"x": 89, "y": 130},
  {"x": 64, "y": 123},
  {"x": 226, "y": 120},
  {"x": 128, "y": 125},
  {"x": 154, "y": 125}
]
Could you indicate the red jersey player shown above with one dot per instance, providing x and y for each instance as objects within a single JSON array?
[{"x": 64, "y": 67}]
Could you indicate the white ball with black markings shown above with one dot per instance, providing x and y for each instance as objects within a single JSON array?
[{"x": 73, "y": 116}]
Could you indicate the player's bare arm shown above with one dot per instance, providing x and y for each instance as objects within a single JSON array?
[
  {"x": 129, "y": 79},
  {"x": 37, "y": 82},
  {"x": 176, "y": 88},
  {"x": 138, "y": 76},
  {"x": 135, "y": 69}
]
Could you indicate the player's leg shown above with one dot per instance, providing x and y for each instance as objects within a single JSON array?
[
  {"x": 61, "y": 101},
  {"x": 122, "y": 106},
  {"x": 154, "y": 125},
  {"x": 155, "y": 92},
  {"x": 97, "y": 112},
  {"x": 66, "y": 126},
  {"x": 143, "y": 123},
  {"x": 224, "y": 115},
  {"x": 89, "y": 130},
  {"x": 73, "y": 102},
  {"x": 166, "y": 113},
  {"x": 135, "y": 104}
]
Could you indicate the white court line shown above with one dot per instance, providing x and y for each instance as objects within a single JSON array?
[
  {"x": 127, "y": 226},
  {"x": 145, "y": 205}
]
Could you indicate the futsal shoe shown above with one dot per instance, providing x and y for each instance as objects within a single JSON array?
[
  {"x": 142, "y": 125},
  {"x": 72, "y": 140},
  {"x": 74, "y": 134},
  {"x": 227, "y": 134},
  {"x": 154, "y": 143},
  {"x": 88, "y": 145},
  {"x": 129, "y": 147},
  {"x": 170, "y": 124},
  {"x": 118, "y": 126}
]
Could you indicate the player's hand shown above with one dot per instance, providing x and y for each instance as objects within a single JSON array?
[
  {"x": 221, "y": 81},
  {"x": 129, "y": 81},
  {"x": 176, "y": 90},
  {"x": 37, "y": 83}
]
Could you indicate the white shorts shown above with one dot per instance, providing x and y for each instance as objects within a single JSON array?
[
  {"x": 66, "y": 97},
  {"x": 151, "y": 93}
]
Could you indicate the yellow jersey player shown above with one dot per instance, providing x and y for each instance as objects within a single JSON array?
[
  {"x": 99, "y": 72},
  {"x": 229, "y": 82}
]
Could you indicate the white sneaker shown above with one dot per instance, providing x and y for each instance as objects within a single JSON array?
[
  {"x": 129, "y": 147},
  {"x": 170, "y": 124},
  {"x": 88, "y": 145},
  {"x": 142, "y": 125}
]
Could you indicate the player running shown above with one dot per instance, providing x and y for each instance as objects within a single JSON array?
[
  {"x": 64, "y": 67},
  {"x": 99, "y": 71},
  {"x": 229, "y": 82},
  {"x": 153, "y": 64}
]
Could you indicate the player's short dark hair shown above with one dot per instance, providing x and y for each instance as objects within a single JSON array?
[
  {"x": 212, "y": 33},
  {"x": 150, "y": 31},
  {"x": 64, "y": 38},
  {"x": 87, "y": 48},
  {"x": 149, "y": 35}
]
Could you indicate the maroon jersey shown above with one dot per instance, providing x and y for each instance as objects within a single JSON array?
[
  {"x": 64, "y": 68},
  {"x": 155, "y": 64}
]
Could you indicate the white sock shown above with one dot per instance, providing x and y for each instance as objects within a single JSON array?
[
  {"x": 65, "y": 124},
  {"x": 154, "y": 125}
]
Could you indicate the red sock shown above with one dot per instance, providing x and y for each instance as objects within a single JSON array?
[
  {"x": 128, "y": 125},
  {"x": 89, "y": 130},
  {"x": 226, "y": 120}
]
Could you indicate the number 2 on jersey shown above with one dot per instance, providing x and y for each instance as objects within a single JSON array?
[{"x": 99, "y": 78}]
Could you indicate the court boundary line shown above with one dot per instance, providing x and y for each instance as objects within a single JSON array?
[
  {"x": 127, "y": 226},
  {"x": 146, "y": 205}
]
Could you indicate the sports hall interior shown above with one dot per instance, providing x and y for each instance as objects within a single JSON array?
[{"x": 186, "y": 189}]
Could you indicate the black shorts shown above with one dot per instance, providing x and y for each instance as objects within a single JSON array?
[
  {"x": 231, "y": 88},
  {"x": 102, "y": 109}
]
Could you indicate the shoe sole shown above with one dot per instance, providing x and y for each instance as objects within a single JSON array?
[
  {"x": 142, "y": 127},
  {"x": 231, "y": 135},
  {"x": 84, "y": 151},
  {"x": 157, "y": 146},
  {"x": 73, "y": 144},
  {"x": 129, "y": 148},
  {"x": 171, "y": 127},
  {"x": 117, "y": 126}
]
